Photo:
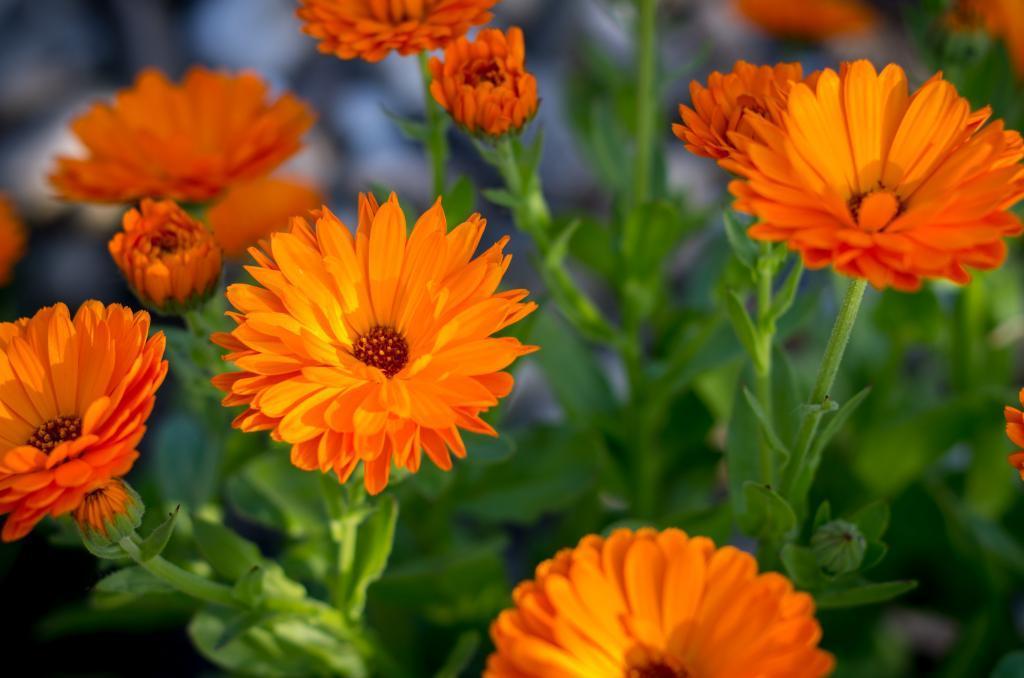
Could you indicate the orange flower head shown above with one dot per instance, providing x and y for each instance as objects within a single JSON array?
[
  {"x": 12, "y": 240},
  {"x": 649, "y": 604},
  {"x": 484, "y": 84},
  {"x": 1015, "y": 432},
  {"x": 110, "y": 512},
  {"x": 722, "y": 109},
  {"x": 372, "y": 348},
  {"x": 883, "y": 184},
  {"x": 251, "y": 211},
  {"x": 1003, "y": 19},
  {"x": 372, "y": 29},
  {"x": 171, "y": 261},
  {"x": 810, "y": 20},
  {"x": 187, "y": 141},
  {"x": 75, "y": 394}
]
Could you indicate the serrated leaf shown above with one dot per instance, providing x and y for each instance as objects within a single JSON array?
[
  {"x": 134, "y": 580},
  {"x": 868, "y": 594},
  {"x": 157, "y": 540},
  {"x": 228, "y": 553}
]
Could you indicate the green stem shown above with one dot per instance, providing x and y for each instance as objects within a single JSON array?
[
  {"x": 190, "y": 584},
  {"x": 646, "y": 99},
  {"x": 763, "y": 363},
  {"x": 344, "y": 533},
  {"x": 437, "y": 127},
  {"x": 800, "y": 472}
]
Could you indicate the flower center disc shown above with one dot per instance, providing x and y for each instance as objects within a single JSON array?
[
  {"x": 655, "y": 670},
  {"x": 54, "y": 432},
  {"x": 876, "y": 210},
  {"x": 384, "y": 348},
  {"x": 484, "y": 70}
]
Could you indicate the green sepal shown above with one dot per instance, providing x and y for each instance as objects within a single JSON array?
[
  {"x": 839, "y": 547},
  {"x": 105, "y": 544}
]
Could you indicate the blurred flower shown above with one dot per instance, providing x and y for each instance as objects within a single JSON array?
[
  {"x": 484, "y": 84},
  {"x": 74, "y": 400},
  {"x": 1015, "y": 431},
  {"x": 374, "y": 348},
  {"x": 251, "y": 211},
  {"x": 882, "y": 184},
  {"x": 1003, "y": 19},
  {"x": 110, "y": 512},
  {"x": 662, "y": 604},
  {"x": 809, "y": 19},
  {"x": 721, "y": 110},
  {"x": 371, "y": 29},
  {"x": 188, "y": 142},
  {"x": 12, "y": 239},
  {"x": 171, "y": 261}
]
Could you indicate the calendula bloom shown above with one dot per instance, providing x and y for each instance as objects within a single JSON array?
[
  {"x": 722, "y": 108},
  {"x": 171, "y": 261},
  {"x": 882, "y": 184},
  {"x": 484, "y": 84},
  {"x": 12, "y": 240},
  {"x": 75, "y": 394},
  {"x": 656, "y": 604},
  {"x": 375, "y": 348},
  {"x": 372, "y": 29},
  {"x": 251, "y": 211},
  {"x": 811, "y": 20},
  {"x": 1015, "y": 432},
  {"x": 109, "y": 512},
  {"x": 1003, "y": 19},
  {"x": 187, "y": 141}
]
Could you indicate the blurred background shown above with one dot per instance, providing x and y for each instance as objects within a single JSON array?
[{"x": 58, "y": 56}]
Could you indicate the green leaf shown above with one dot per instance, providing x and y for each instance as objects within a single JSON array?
[
  {"x": 375, "y": 539},
  {"x": 459, "y": 201},
  {"x": 742, "y": 325},
  {"x": 835, "y": 424},
  {"x": 501, "y": 197},
  {"x": 868, "y": 594},
  {"x": 872, "y": 520},
  {"x": 461, "y": 655},
  {"x": 572, "y": 372},
  {"x": 1010, "y": 666},
  {"x": 186, "y": 467},
  {"x": 134, "y": 580},
  {"x": 768, "y": 515},
  {"x": 802, "y": 567},
  {"x": 822, "y": 516},
  {"x": 786, "y": 295},
  {"x": 228, "y": 553},
  {"x": 742, "y": 454},
  {"x": 272, "y": 492},
  {"x": 157, "y": 540},
  {"x": 745, "y": 249},
  {"x": 767, "y": 427},
  {"x": 414, "y": 130}
]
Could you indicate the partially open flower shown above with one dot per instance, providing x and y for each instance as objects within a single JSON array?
[
  {"x": 75, "y": 394},
  {"x": 12, "y": 240},
  {"x": 187, "y": 141},
  {"x": 484, "y": 84},
  {"x": 810, "y": 20},
  {"x": 251, "y": 211},
  {"x": 109, "y": 512},
  {"x": 721, "y": 111},
  {"x": 372, "y": 29},
  {"x": 650, "y": 604},
  {"x": 1015, "y": 432},
  {"x": 171, "y": 261}
]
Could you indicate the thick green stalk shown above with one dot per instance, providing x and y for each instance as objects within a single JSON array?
[
  {"x": 800, "y": 472},
  {"x": 763, "y": 362},
  {"x": 646, "y": 99},
  {"x": 437, "y": 127}
]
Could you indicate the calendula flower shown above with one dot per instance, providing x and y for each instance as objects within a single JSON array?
[
  {"x": 187, "y": 141},
  {"x": 75, "y": 394},
  {"x": 1003, "y": 19},
  {"x": 372, "y": 29},
  {"x": 656, "y": 604},
  {"x": 721, "y": 109},
  {"x": 1015, "y": 432},
  {"x": 811, "y": 20},
  {"x": 882, "y": 184},
  {"x": 171, "y": 261},
  {"x": 12, "y": 240},
  {"x": 251, "y": 211},
  {"x": 110, "y": 512},
  {"x": 484, "y": 84},
  {"x": 375, "y": 348}
]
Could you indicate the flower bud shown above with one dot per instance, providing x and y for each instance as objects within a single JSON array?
[
  {"x": 108, "y": 514},
  {"x": 839, "y": 546}
]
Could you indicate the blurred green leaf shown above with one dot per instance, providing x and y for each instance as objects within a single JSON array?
[
  {"x": 374, "y": 542},
  {"x": 459, "y": 201},
  {"x": 768, "y": 515},
  {"x": 186, "y": 466},
  {"x": 742, "y": 456},
  {"x": 272, "y": 492},
  {"x": 867, "y": 594},
  {"x": 1010, "y": 666},
  {"x": 154, "y": 544},
  {"x": 745, "y": 249},
  {"x": 802, "y": 567},
  {"x": 461, "y": 655},
  {"x": 133, "y": 580},
  {"x": 228, "y": 553},
  {"x": 572, "y": 372},
  {"x": 872, "y": 520}
]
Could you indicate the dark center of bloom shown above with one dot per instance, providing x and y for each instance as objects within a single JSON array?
[
  {"x": 753, "y": 105},
  {"x": 54, "y": 432},
  {"x": 875, "y": 210},
  {"x": 166, "y": 242},
  {"x": 384, "y": 348},
  {"x": 485, "y": 70},
  {"x": 655, "y": 670}
]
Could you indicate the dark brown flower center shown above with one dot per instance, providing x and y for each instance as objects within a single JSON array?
[
  {"x": 485, "y": 70},
  {"x": 655, "y": 670},
  {"x": 54, "y": 432},
  {"x": 384, "y": 348}
]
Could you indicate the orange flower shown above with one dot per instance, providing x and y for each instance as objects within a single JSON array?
[
  {"x": 882, "y": 184},
  {"x": 171, "y": 261},
  {"x": 811, "y": 20},
  {"x": 1003, "y": 19},
  {"x": 111, "y": 511},
  {"x": 74, "y": 398},
  {"x": 252, "y": 211},
  {"x": 721, "y": 110},
  {"x": 12, "y": 240},
  {"x": 188, "y": 142},
  {"x": 374, "y": 348},
  {"x": 1015, "y": 432},
  {"x": 662, "y": 604},
  {"x": 371, "y": 29},
  {"x": 484, "y": 84}
]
